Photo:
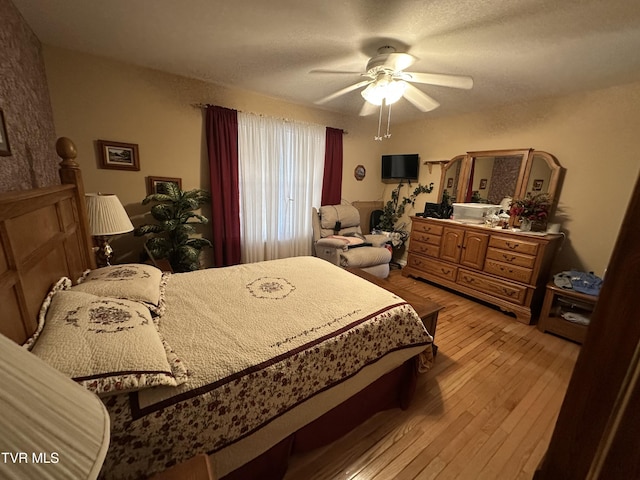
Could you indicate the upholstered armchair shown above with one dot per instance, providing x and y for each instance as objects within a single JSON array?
[{"x": 338, "y": 238}]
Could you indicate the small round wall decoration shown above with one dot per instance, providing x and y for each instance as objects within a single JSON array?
[{"x": 359, "y": 172}]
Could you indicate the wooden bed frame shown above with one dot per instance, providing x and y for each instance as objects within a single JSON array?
[{"x": 44, "y": 235}]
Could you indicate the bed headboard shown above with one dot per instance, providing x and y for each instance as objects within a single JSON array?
[{"x": 44, "y": 235}]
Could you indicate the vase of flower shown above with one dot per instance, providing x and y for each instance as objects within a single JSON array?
[
  {"x": 532, "y": 212},
  {"x": 539, "y": 225}
]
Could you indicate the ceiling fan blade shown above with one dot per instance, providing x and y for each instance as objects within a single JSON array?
[
  {"x": 320, "y": 70},
  {"x": 368, "y": 109},
  {"x": 419, "y": 99},
  {"x": 348, "y": 89},
  {"x": 443, "y": 80}
]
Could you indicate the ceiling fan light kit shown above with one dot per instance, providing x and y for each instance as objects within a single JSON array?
[
  {"x": 384, "y": 89},
  {"x": 388, "y": 83}
]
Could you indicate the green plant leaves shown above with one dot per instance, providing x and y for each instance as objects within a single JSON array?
[
  {"x": 394, "y": 209},
  {"x": 173, "y": 210}
]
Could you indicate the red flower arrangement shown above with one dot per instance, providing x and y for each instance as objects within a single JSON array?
[{"x": 534, "y": 208}]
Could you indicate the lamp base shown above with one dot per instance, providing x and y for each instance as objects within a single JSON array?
[{"x": 103, "y": 251}]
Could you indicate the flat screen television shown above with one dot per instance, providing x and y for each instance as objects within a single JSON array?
[{"x": 400, "y": 167}]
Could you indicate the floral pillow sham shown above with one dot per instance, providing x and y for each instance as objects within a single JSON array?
[
  {"x": 108, "y": 345},
  {"x": 63, "y": 284},
  {"x": 132, "y": 281}
]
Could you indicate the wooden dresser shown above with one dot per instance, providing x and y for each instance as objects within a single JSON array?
[{"x": 505, "y": 268}]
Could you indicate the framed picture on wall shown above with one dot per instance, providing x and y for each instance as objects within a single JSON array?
[
  {"x": 359, "y": 172},
  {"x": 449, "y": 182},
  {"x": 483, "y": 183},
  {"x": 5, "y": 150},
  {"x": 537, "y": 185},
  {"x": 118, "y": 155},
  {"x": 154, "y": 182}
]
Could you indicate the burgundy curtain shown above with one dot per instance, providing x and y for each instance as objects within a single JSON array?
[
  {"x": 332, "y": 179},
  {"x": 222, "y": 144}
]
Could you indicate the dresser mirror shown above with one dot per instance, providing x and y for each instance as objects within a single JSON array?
[
  {"x": 497, "y": 176},
  {"x": 450, "y": 178},
  {"x": 543, "y": 175}
]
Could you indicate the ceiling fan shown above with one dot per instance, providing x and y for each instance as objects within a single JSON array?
[{"x": 387, "y": 82}]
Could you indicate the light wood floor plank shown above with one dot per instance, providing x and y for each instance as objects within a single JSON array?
[{"x": 485, "y": 410}]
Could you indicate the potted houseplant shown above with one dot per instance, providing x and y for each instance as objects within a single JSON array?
[
  {"x": 175, "y": 216},
  {"x": 393, "y": 211},
  {"x": 532, "y": 212}
]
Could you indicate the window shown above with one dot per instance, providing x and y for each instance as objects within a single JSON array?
[{"x": 280, "y": 174}]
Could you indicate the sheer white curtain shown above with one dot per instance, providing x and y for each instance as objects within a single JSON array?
[{"x": 280, "y": 174}]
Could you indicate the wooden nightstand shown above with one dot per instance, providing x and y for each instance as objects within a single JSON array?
[
  {"x": 560, "y": 301},
  {"x": 196, "y": 468}
]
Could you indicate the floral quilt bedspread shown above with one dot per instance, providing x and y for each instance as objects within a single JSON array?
[{"x": 258, "y": 340}]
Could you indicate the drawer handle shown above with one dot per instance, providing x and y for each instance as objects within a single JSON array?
[
  {"x": 502, "y": 269},
  {"x": 512, "y": 246},
  {"x": 509, "y": 293},
  {"x": 445, "y": 271},
  {"x": 508, "y": 258},
  {"x": 469, "y": 279}
]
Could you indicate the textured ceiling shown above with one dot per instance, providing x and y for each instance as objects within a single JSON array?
[{"x": 514, "y": 49}]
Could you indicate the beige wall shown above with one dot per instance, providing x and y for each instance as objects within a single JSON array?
[
  {"x": 592, "y": 134},
  {"x": 96, "y": 98}
]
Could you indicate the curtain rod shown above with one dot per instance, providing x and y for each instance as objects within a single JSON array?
[{"x": 205, "y": 105}]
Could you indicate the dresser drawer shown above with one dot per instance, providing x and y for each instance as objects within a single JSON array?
[
  {"x": 512, "y": 258},
  {"x": 512, "y": 272},
  {"x": 492, "y": 286},
  {"x": 513, "y": 245},
  {"x": 423, "y": 227},
  {"x": 434, "y": 267},
  {"x": 426, "y": 238},
  {"x": 424, "y": 248}
]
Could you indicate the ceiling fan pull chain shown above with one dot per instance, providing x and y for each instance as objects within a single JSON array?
[
  {"x": 379, "y": 137},
  {"x": 388, "y": 135}
]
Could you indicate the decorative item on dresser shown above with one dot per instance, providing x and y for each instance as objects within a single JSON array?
[
  {"x": 505, "y": 268},
  {"x": 107, "y": 217}
]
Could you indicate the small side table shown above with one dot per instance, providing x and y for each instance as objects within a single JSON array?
[{"x": 560, "y": 301}]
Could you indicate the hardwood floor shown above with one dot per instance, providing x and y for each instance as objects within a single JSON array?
[{"x": 486, "y": 410}]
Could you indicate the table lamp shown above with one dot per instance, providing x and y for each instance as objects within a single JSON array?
[
  {"x": 107, "y": 217},
  {"x": 52, "y": 428}
]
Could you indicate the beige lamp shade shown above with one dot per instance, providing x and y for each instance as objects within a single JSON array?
[
  {"x": 106, "y": 215},
  {"x": 50, "y": 427}
]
